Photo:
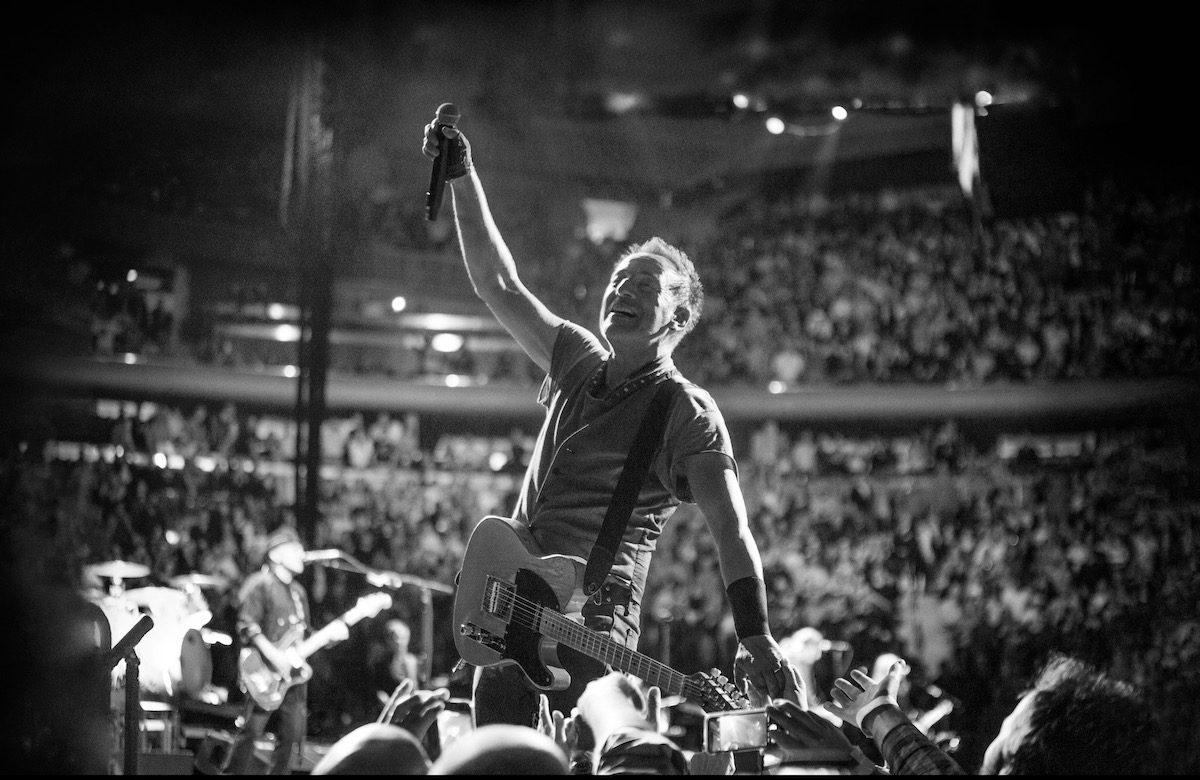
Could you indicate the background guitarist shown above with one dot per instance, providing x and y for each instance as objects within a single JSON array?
[
  {"x": 598, "y": 388},
  {"x": 273, "y": 606}
]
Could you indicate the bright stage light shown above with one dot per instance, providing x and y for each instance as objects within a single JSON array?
[
  {"x": 286, "y": 333},
  {"x": 447, "y": 342}
]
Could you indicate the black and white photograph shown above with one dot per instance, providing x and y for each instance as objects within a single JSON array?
[{"x": 688, "y": 387}]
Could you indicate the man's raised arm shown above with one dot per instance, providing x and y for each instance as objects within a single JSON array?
[{"x": 489, "y": 262}]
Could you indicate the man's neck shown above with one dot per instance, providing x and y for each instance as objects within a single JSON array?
[{"x": 623, "y": 365}]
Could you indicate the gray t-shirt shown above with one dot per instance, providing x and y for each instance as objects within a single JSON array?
[{"x": 581, "y": 451}]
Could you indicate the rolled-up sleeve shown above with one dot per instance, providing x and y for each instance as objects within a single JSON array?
[
  {"x": 640, "y": 752},
  {"x": 909, "y": 752}
]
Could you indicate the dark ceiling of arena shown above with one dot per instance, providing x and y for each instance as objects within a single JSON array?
[{"x": 91, "y": 69}]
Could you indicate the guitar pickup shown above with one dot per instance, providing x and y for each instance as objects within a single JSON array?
[
  {"x": 498, "y": 597},
  {"x": 483, "y": 636}
]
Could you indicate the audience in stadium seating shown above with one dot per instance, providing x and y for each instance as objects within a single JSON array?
[{"x": 897, "y": 286}]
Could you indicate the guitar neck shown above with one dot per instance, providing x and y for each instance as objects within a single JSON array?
[
  {"x": 326, "y": 636},
  {"x": 602, "y": 648},
  {"x": 335, "y": 630}
]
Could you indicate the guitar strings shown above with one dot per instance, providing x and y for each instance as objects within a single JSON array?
[{"x": 533, "y": 614}]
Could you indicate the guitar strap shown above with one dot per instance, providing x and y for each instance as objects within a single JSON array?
[{"x": 637, "y": 466}]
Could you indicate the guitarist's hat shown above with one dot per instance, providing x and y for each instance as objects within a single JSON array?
[{"x": 285, "y": 534}]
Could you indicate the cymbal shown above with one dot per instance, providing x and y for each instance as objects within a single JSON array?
[
  {"x": 199, "y": 580},
  {"x": 153, "y": 595},
  {"x": 124, "y": 570}
]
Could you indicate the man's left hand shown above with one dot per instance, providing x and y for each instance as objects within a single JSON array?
[{"x": 761, "y": 662}]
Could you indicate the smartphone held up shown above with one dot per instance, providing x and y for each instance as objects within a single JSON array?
[{"x": 735, "y": 730}]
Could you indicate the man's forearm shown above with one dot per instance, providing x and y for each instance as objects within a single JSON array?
[
  {"x": 489, "y": 263},
  {"x": 905, "y": 749}
]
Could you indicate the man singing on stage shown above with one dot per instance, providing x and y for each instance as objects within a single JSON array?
[{"x": 597, "y": 390}]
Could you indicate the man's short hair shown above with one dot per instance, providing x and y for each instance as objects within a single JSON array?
[
  {"x": 1082, "y": 721},
  {"x": 691, "y": 292}
]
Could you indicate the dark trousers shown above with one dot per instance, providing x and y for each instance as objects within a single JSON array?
[{"x": 289, "y": 723}]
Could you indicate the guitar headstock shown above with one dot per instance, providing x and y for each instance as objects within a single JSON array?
[
  {"x": 367, "y": 606},
  {"x": 714, "y": 692}
]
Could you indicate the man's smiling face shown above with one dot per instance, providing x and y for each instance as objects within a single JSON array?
[{"x": 640, "y": 302}]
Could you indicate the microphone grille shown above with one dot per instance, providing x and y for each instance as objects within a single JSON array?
[{"x": 447, "y": 114}]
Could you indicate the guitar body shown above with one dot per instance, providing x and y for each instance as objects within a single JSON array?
[
  {"x": 514, "y": 605},
  {"x": 504, "y": 550},
  {"x": 262, "y": 682},
  {"x": 267, "y": 686}
]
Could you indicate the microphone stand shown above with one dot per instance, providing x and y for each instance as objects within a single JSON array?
[
  {"x": 126, "y": 650},
  {"x": 391, "y": 579}
]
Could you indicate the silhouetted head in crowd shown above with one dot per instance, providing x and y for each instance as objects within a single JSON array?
[
  {"x": 375, "y": 749},
  {"x": 1075, "y": 720},
  {"x": 502, "y": 749}
]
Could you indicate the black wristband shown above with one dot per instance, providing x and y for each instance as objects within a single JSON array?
[{"x": 748, "y": 601}]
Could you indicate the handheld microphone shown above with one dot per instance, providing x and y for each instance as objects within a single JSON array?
[
  {"x": 322, "y": 555},
  {"x": 447, "y": 116}
]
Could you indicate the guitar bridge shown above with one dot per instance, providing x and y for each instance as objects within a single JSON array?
[
  {"x": 498, "y": 598},
  {"x": 483, "y": 637}
]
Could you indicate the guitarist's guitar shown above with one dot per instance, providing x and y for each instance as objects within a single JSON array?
[
  {"x": 267, "y": 686},
  {"x": 512, "y": 606}
]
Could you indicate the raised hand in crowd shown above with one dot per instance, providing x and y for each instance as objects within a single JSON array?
[
  {"x": 872, "y": 705},
  {"x": 855, "y": 701},
  {"x": 561, "y": 728},
  {"x": 625, "y": 725},
  {"x": 414, "y": 710},
  {"x": 803, "y": 735}
]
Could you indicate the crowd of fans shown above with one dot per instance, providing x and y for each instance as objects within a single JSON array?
[
  {"x": 897, "y": 286},
  {"x": 973, "y": 556},
  {"x": 912, "y": 289},
  {"x": 974, "y": 560}
]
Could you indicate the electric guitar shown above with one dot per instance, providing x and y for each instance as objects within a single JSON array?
[
  {"x": 512, "y": 606},
  {"x": 267, "y": 686}
]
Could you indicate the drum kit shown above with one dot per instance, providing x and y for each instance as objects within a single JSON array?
[{"x": 176, "y": 654}]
